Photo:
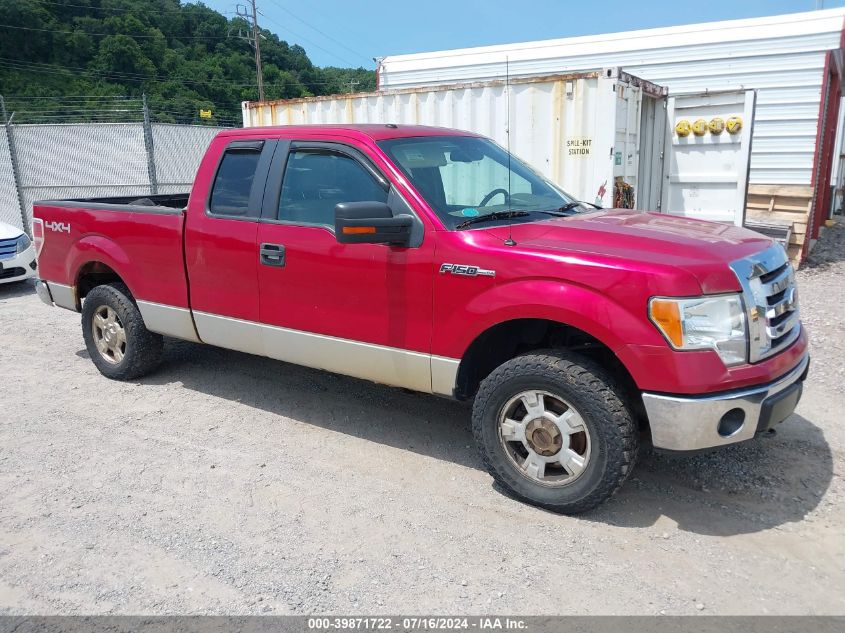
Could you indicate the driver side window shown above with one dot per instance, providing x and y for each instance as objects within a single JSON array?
[
  {"x": 316, "y": 180},
  {"x": 466, "y": 184}
]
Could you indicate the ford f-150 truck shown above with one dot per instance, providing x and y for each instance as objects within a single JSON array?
[{"x": 430, "y": 259}]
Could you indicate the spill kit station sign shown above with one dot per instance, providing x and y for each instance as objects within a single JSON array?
[{"x": 579, "y": 146}]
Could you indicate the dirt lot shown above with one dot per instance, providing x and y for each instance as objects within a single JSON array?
[{"x": 227, "y": 483}]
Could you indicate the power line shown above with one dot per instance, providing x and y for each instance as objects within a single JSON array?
[
  {"x": 138, "y": 77},
  {"x": 72, "y": 97},
  {"x": 121, "y": 76},
  {"x": 207, "y": 37},
  {"x": 323, "y": 33},
  {"x": 116, "y": 74},
  {"x": 311, "y": 42},
  {"x": 112, "y": 9},
  {"x": 81, "y": 32}
]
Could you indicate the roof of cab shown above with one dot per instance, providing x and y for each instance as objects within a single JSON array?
[{"x": 374, "y": 131}]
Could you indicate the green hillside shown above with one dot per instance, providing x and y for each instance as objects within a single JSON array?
[{"x": 185, "y": 57}]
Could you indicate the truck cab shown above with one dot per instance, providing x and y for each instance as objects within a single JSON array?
[{"x": 433, "y": 260}]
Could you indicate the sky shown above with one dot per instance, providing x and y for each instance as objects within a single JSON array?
[{"x": 351, "y": 33}]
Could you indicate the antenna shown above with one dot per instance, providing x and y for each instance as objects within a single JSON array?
[{"x": 509, "y": 241}]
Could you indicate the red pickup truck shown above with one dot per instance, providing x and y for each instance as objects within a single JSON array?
[{"x": 430, "y": 259}]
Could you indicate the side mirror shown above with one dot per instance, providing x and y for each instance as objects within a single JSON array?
[{"x": 370, "y": 223}]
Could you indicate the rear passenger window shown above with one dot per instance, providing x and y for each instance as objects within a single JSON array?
[
  {"x": 316, "y": 180},
  {"x": 233, "y": 183}
]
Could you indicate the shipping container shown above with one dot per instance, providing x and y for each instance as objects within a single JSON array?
[
  {"x": 604, "y": 137},
  {"x": 583, "y": 130}
]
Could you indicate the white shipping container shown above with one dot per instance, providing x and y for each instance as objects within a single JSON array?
[
  {"x": 581, "y": 130},
  {"x": 588, "y": 132}
]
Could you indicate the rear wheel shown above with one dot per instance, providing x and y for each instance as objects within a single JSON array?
[
  {"x": 554, "y": 430},
  {"x": 117, "y": 340}
]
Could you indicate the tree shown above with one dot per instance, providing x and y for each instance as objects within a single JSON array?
[{"x": 186, "y": 57}]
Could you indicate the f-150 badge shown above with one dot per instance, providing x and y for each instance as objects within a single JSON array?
[{"x": 466, "y": 271}]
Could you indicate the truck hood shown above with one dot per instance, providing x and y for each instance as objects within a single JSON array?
[
  {"x": 7, "y": 231},
  {"x": 627, "y": 238}
]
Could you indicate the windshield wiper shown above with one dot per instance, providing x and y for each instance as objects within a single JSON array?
[
  {"x": 490, "y": 217},
  {"x": 565, "y": 210},
  {"x": 569, "y": 206}
]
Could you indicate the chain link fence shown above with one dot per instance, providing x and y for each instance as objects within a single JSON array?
[
  {"x": 54, "y": 159},
  {"x": 10, "y": 208},
  {"x": 178, "y": 152}
]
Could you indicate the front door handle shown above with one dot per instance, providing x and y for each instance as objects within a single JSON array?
[{"x": 272, "y": 255}]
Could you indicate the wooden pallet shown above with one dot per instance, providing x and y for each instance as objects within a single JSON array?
[
  {"x": 781, "y": 208},
  {"x": 778, "y": 230}
]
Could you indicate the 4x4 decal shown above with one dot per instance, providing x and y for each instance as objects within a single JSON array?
[{"x": 58, "y": 227}]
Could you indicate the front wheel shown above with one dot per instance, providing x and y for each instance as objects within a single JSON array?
[
  {"x": 117, "y": 340},
  {"x": 553, "y": 429}
]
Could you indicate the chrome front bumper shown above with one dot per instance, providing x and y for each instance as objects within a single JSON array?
[{"x": 687, "y": 423}]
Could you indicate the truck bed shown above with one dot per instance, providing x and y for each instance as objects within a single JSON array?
[
  {"x": 161, "y": 203},
  {"x": 140, "y": 238}
]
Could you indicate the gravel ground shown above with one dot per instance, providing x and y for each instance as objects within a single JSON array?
[{"x": 227, "y": 483}]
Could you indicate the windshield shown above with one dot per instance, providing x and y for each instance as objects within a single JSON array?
[{"x": 467, "y": 179}]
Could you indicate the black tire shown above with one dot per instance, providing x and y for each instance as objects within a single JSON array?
[
  {"x": 142, "y": 349},
  {"x": 595, "y": 396}
]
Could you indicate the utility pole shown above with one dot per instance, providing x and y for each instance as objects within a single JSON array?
[
  {"x": 255, "y": 38},
  {"x": 352, "y": 84}
]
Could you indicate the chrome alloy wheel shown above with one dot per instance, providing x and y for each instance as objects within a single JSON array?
[
  {"x": 545, "y": 438},
  {"x": 109, "y": 335}
]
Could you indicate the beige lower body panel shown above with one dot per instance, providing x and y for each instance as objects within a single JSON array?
[
  {"x": 63, "y": 296},
  {"x": 385, "y": 365},
  {"x": 444, "y": 374},
  {"x": 168, "y": 320},
  {"x": 381, "y": 364}
]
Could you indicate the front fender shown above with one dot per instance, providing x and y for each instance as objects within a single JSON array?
[{"x": 613, "y": 324}]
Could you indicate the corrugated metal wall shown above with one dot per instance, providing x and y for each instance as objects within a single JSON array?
[{"x": 782, "y": 58}]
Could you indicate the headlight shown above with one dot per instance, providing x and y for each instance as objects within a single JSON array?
[
  {"x": 23, "y": 243},
  {"x": 716, "y": 322}
]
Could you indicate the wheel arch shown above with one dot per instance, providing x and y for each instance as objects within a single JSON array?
[
  {"x": 508, "y": 339},
  {"x": 95, "y": 261},
  {"x": 94, "y": 273}
]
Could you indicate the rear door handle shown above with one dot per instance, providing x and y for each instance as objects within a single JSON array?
[{"x": 272, "y": 255}]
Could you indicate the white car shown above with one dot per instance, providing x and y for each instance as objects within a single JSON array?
[{"x": 17, "y": 254}]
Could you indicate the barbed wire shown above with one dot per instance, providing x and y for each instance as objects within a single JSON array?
[{"x": 103, "y": 109}]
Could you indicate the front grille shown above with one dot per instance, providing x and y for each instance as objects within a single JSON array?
[
  {"x": 771, "y": 302},
  {"x": 8, "y": 248},
  {"x": 6, "y": 273}
]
